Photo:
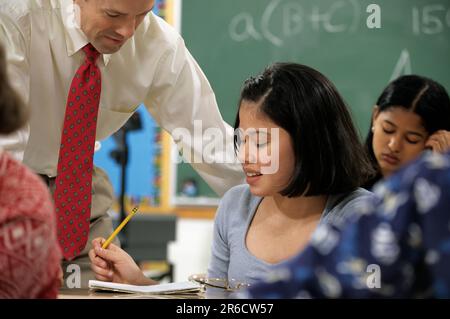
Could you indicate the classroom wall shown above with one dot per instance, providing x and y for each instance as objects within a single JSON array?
[
  {"x": 359, "y": 44},
  {"x": 190, "y": 253}
]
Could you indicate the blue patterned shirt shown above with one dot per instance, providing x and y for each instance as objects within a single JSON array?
[{"x": 397, "y": 245}]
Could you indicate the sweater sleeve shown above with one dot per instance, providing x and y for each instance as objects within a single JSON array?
[{"x": 220, "y": 251}]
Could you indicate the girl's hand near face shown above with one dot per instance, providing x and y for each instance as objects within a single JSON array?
[{"x": 439, "y": 141}]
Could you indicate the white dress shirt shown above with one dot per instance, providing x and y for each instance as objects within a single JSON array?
[{"x": 43, "y": 44}]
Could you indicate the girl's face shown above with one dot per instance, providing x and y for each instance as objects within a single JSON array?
[
  {"x": 398, "y": 137},
  {"x": 265, "y": 151}
]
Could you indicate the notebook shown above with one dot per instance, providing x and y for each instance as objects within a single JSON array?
[{"x": 186, "y": 287}]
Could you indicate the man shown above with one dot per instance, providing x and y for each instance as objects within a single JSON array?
[{"x": 83, "y": 67}]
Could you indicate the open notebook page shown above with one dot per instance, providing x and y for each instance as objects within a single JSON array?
[{"x": 170, "y": 288}]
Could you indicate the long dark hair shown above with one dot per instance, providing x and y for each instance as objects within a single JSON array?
[
  {"x": 329, "y": 157},
  {"x": 423, "y": 96},
  {"x": 13, "y": 114}
]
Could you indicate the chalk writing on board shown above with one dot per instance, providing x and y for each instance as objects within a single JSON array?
[
  {"x": 341, "y": 16},
  {"x": 403, "y": 66},
  {"x": 295, "y": 18},
  {"x": 430, "y": 19}
]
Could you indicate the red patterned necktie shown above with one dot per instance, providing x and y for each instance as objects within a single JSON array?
[{"x": 73, "y": 191}]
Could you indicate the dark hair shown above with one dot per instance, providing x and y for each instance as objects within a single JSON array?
[
  {"x": 13, "y": 114},
  {"x": 329, "y": 157},
  {"x": 423, "y": 96}
]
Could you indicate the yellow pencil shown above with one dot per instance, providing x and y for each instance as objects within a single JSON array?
[{"x": 118, "y": 229}]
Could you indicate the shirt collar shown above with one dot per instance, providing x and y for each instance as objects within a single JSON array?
[{"x": 75, "y": 37}]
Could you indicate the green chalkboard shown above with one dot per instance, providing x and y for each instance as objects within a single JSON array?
[{"x": 234, "y": 39}]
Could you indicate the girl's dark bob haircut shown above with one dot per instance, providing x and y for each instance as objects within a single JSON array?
[{"x": 329, "y": 156}]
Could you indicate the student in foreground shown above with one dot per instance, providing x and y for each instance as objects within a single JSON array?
[
  {"x": 304, "y": 163},
  {"x": 29, "y": 252},
  {"x": 412, "y": 114},
  {"x": 398, "y": 245}
]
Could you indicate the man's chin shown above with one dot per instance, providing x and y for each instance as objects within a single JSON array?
[
  {"x": 107, "y": 48},
  {"x": 110, "y": 50}
]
